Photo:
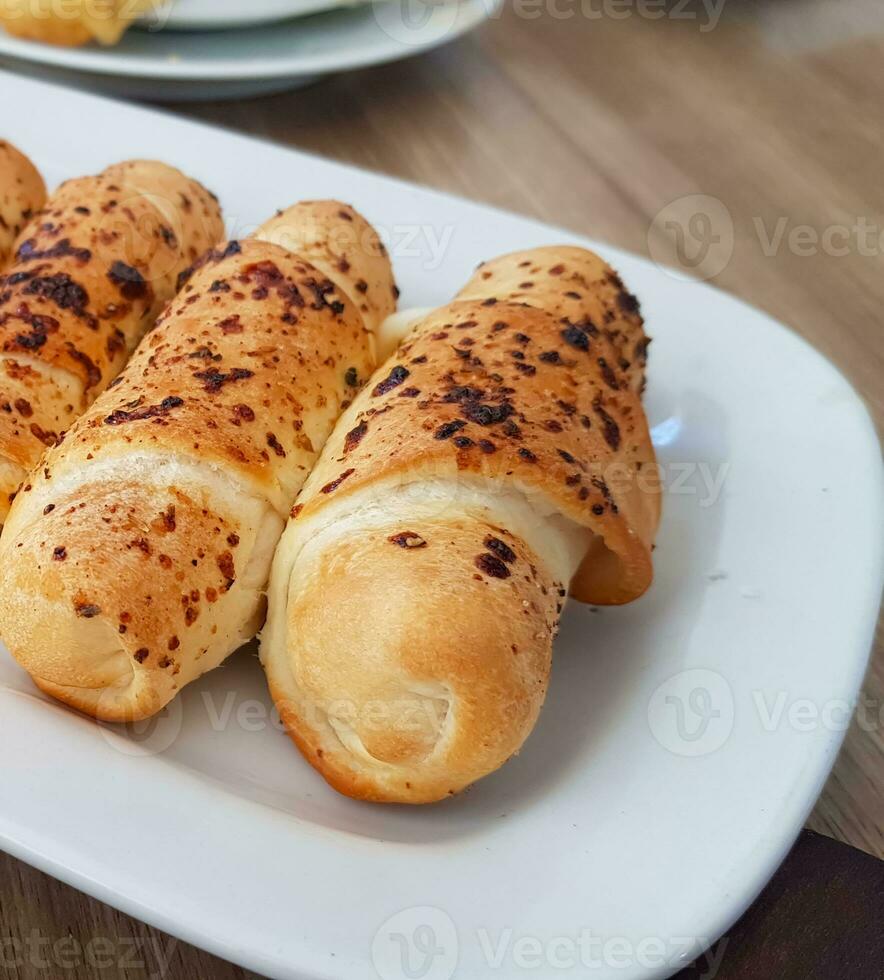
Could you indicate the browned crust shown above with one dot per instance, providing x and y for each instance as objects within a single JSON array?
[
  {"x": 337, "y": 239},
  {"x": 577, "y": 286},
  {"x": 256, "y": 343},
  {"x": 91, "y": 271},
  {"x": 510, "y": 393}
]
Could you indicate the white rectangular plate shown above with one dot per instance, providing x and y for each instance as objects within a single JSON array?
[{"x": 685, "y": 737}]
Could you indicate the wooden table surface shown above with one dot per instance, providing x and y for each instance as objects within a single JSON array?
[{"x": 598, "y": 123}]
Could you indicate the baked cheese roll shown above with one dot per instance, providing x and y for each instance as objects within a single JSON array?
[
  {"x": 494, "y": 462},
  {"x": 70, "y": 23},
  {"x": 137, "y": 557},
  {"x": 91, "y": 271},
  {"x": 22, "y": 193}
]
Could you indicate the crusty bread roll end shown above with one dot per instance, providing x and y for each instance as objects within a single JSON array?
[{"x": 392, "y": 649}]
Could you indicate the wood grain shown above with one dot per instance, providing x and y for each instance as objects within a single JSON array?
[{"x": 598, "y": 124}]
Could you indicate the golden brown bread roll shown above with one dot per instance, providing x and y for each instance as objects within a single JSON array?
[
  {"x": 138, "y": 558},
  {"x": 69, "y": 23},
  {"x": 22, "y": 193},
  {"x": 91, "y": 272},
  {"x": 495, "y": 459}
]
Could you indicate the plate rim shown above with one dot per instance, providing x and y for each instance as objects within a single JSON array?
[{"x": 115, "y": 63}]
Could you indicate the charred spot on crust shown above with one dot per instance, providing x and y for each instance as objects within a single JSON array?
[
  {"x": 395, "y": 378},
  {"x": 61, "y": 290},
  {"x": 86, "y": 610},
  {"x": 275, "y": 445},
  {"x": 448, "y": 429},
  {"x": 230, "y": 324},
  {"x": 484, "y": 414},
  {"x": 47, "y": 437},
  {"x": 605, "y": 491},
  {"x": 40, "y": 327},
  {"x": 492, "y": 566},
  {"x": 183, "y": 276},
  {"x": 408, "y": 539},
  {"x": 60, "y": 553},
  {"x": 627, "y": 302},
  {"x": 487, "y": 446},
  {"x": 244, "y": 412},
  {"x": 93, "y": 375},
  {"x": 551, "y": 357},
  {"x": 610, "y": 429},
  {"x": 141, "y": 654},
  {"x": 527, "y": 455},
  {"x": 334, "y": 484},
  {"x": 463, "y": 393},
  {"x": 227, "y": 568},
  {"x": 28, "y": 251},
  {"x": 503, "y": 551},
  {"x": 215, "y": 380},
  {"x": 321, "y": 290},
  {"x": 120, "y": 416},
  {"x": 575, "y": 336},
  {"x": 129, "y": 280},
  {"x": 354, "y": 436},
  {"x": 608, "y": 375},
  {"x": 165, "y": 522},
  {"x": 232, "y": 248}
]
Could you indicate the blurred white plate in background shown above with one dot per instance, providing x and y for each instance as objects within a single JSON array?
[
  {"x": 214, "y": 15},
  {"x": 181, "y": 66},
  {"x": 685, "y": 736}
]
